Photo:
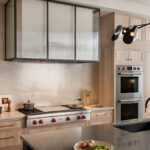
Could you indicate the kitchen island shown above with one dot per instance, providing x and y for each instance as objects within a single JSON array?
[{"x": 65, "y": 139}]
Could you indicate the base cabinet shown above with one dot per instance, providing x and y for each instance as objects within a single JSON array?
[
  {"x": 101, "y": 117},
  {"x": 98, "y": 117},
  {"x": 10, "y": 132}
]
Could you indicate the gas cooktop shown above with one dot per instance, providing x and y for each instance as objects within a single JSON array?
[
  {"x": 31, "y": 112},
  {"x": 49, "y": 115},
  {"x": 49, "y": 109}
]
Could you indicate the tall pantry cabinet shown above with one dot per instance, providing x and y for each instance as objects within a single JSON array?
[{"x": 119, "y": 53}]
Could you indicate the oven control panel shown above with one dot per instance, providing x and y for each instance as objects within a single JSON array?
[
  {"x": 129, "y": 68},
  {"x": 57, "y": 119}
]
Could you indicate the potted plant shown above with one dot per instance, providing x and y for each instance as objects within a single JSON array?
[{"x": 87, "y": 97}]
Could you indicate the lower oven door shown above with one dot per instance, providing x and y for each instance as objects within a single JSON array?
[{"x": 128, "y": 110}]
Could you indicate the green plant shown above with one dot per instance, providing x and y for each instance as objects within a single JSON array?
[{"x": 87, "y": 92}]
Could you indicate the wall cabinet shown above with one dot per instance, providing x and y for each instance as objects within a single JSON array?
[
  {"x": 51, "y": 31},
  {"x": 126, "y": 21},
  {"x": 136, "y": 21},
  {"x": 147, "y": 31},
  {"x": 128, "y": 57}
]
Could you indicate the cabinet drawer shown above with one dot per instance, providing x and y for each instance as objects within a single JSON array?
[
  {"x": 9, "y": 138},
  {"x": 101, "y": 117},
  {"x": 4, "y": 125},
  {"x": 12, "y": 148}
]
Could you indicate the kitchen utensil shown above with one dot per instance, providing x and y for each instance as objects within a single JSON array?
[
  {"x": 28, "y": 105},
  {"x": 75, "y": 106},
  {"x": 107, "y": 144}
]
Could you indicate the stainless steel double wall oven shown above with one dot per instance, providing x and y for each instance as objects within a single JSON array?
[{"x": 129, "y": 92}]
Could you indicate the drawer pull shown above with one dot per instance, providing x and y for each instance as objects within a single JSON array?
[
  {"x": 5, "y": 138},
  {"x": 4, "y": 126}
]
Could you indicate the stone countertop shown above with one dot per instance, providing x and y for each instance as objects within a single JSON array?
[
  {"x": 18, "y": 115},
  {"x": 12, "y": 115},
  {"x": 99, "y": 108},
  {"x": 65, "y": 139}
]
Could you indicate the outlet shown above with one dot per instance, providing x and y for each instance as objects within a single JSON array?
[{"x": 4, "y": 106}]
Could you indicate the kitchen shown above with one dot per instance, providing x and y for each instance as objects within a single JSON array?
[{"x": 60, "y": 81}]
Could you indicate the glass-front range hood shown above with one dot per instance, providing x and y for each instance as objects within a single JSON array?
[{"x": 52, "y": 31}]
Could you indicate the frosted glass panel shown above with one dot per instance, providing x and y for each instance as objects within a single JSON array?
[
  {"x": 10, "y": 30},
  {"x": 31, "y": 20},
  {"x": 61, "y": 31},
  {"x": 87, "y": 34}
]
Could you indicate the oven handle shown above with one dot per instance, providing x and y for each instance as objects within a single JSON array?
[
  {"x": 129, "y": 101},
  {"x": 129, "y": 73}
]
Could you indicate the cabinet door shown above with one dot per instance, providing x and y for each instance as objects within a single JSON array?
[
  {"x": 61, "y": 31},
  {"x": 136, "y": 57},
  {"x": 121, "y": 19},
  {"x": 146, "y": 65},
  {"x": 147, "y": 31},
  {"x": 136, "y": 21},
  {"x": 31, "y": 29},
  {"x": 10, "y": 30},
  {"x": 122, "y": 57},
  {"x": 87, "y": 34}
]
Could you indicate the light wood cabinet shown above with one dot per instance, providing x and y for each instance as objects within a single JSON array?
[
  {"x": 147, "y": 31},
  {"x": 121, "y": 19},
  {"x": 136, "y": 21},
  {"x": 128, "y": 57},
  {"x": 126, "y": 21},
  {"x": 101, "y": 117},
  {"x": 10, "y": 132},
  {"x": 146, "y": 82}
]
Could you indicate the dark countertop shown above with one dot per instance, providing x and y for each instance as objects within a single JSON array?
[{"x": 65, "y": 139}]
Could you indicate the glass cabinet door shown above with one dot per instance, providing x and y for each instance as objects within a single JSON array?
[
  {"x": 87, "y": 34},
  {"x": 61, "y": 31},
  {"x": 31, "y": 29},
  {"x": 10, "y": 53}
]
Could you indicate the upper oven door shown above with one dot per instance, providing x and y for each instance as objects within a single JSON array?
[{"x": 129, "y": 85}]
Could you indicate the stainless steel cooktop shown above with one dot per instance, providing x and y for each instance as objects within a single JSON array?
[{"x": 49, "y": 115}]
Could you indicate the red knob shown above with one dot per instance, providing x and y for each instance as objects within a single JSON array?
[
  {"x": 83, "y": 117},
  {"x": 35, "y": 122},
  {"x": 68, "y": 119},
  {"x": 120, "y": 68},
  {"x": 79, "y": 117},
  {"x": 125, "y": 68},
  {"x": 41, "y": 122},
  {"x": 53, "y": 120}
]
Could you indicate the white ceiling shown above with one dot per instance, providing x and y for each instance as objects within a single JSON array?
[{"x": 144, "y": 2}]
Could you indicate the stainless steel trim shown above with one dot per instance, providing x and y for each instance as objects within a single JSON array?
[
  {"x": 132, "y": 73},
  {"x": 58, "y": 114},
  {"x": 58, "y": 118},
  {"x": 129, "y": 101}
]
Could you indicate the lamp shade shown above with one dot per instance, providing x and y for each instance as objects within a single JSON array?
[
  {"x": 131, "y": 35},
  {"x": 118, "y": 32}
]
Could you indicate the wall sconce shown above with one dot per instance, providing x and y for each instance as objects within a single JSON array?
[{"x": 129, "y": 33}]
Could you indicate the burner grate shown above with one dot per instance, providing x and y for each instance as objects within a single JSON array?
[{"x": 31, "y": 112}]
